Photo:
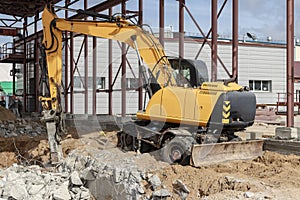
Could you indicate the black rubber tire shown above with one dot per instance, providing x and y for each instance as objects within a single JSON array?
[{"x": 178, "y": 150}]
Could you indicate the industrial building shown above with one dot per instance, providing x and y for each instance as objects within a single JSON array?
[
  {"x": 100, "y": 105},
  {"x": 262, "y": 67}
]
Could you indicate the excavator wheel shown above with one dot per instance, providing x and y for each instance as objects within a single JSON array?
[
  {"x": 126, "y": 142},
  {"x": 177, "y": 150}
]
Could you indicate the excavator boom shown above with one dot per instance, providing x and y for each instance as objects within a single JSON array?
[{"x": 149, "y": 48}]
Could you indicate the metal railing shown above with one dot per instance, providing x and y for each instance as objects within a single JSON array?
[
  {"x": 9, "y": 48},
  {"x": 281, "y": 103}
]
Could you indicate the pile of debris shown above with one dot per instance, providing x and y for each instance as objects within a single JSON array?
[
  {"x": 11, "y": 126},
  {"x": 113, "y": 174},
  {"x": 21, "y": 127},
  {"x": 82, "y": 177},
  {"x": 34, "y": 182}
]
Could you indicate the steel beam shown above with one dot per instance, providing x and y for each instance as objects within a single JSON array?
[
  {"x": 181, "y": 28},
  {"x": 140, "y": 90},
  {"x": 123, "y": 79},
  {"x": 214, "y": 49},
  {"x": 36, "y": 64},
  {"x": 100, "y": 7},
  {"x": 110, "y": 83},
  {"x": 8, "y": 31},
  {"x": 235, "y": 39},
  {"x": 161, "y": 21},
  {"x": 14, "y": 76},
  {"x": 25, "y": 68},
  {"x": 66, "y": 63},
  {"x": 209, "y": 32},
  {"x": 94, "y": 99},
  {"x": 86, "y": 69},
  {"x": 205, "y": 37},
  {"x": 290, "y": 63},
  {"x": 71, "y": 73}
]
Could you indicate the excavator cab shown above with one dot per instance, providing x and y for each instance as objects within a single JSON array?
[{"x": 188, "y": 72}]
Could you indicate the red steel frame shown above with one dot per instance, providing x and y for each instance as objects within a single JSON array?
[{"x": 70, "y": 65}]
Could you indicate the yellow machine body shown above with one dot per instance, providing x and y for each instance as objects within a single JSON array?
[{"x": 192, "y": 106}]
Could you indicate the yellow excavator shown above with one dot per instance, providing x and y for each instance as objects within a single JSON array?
[{"x": 187, "y": 118}]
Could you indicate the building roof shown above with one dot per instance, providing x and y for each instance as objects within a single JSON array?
[{"x": 23, "y": 8}]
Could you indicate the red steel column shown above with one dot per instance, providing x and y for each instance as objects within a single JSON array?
[
  {"x": 235, "y": 39},
  {"x": 140, "y": 75},
  {"x": 161, "y": 21},
  {"x": 86, "y": 69},
  {"x": 25, "y": 67},
  {"x": 123, "y": 86},
  {"x": 94, "y": 111},
  {"x": 290, "y": 64},
  {"x": 36, "y": 65},
  {"x": 71, "y": 73},
  {"x": 214, "y": 50},
  {"x": 66, "y": 63},
  {"x": 181, "y": 28},
  {"x": 14, "y": 76},
  {"x": 110, "y": 72}
]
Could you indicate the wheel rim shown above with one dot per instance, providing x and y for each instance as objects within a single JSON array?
[{"x": 176, "y": 154}]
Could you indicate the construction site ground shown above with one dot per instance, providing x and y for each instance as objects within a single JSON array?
[{"x": 271, "y": 176}]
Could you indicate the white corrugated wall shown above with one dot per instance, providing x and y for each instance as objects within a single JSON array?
[{"x": 255, "y": 63}]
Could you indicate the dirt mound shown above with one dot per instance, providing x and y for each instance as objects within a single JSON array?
[
  {"x": 268, "y": 176},
  {"x": 6, "y": 114},
  {"x": 203, "y": 181},
  {"x": 7, "y": 159},
  {"x": 24, "y": 150}
]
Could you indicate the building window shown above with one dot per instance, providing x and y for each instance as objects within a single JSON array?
[
  {"x": 79, "y": 82},
  {"x": 132, "y": 83},
  {"x": 259, "y": 85},
  {"x": 100, "y": 82}
]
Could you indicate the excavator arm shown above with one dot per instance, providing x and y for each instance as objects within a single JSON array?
[{"x": 148, "y": 47}]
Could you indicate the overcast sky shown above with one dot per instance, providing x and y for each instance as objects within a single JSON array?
[{"x": 260, "y": 17}]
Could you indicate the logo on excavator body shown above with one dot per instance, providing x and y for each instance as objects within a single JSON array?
[{"x": 226, "y": 112}]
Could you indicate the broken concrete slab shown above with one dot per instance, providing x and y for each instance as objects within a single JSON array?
[
  {"x": 154, "y": 181},
  {"x": 75, "y": 179},
  {"x": 161, "y": 194},
  {"x": 181, "y": 186},
  {"x": 62, "y": 193},
  {"x": 19, "y": 193},
  {"x": 36, "y": 189},
  {"x": 287, "y": 133},
  {"x": 87, "y": 174}
]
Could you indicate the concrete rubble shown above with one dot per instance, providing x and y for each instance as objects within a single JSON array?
[
  {"x": 34, "y": 182},
  {"x": 21, "y": 127},
  {"x": 114, "y": 175},
  {"x": 105, "y": 175}
]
